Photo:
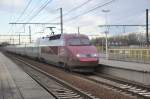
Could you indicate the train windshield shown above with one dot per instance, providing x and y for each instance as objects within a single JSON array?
[{"x": 78, "y": 41}]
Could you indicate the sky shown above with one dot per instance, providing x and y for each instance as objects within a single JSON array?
[{"x": 120, "y": 12}]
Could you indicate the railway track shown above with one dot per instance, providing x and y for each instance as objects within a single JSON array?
[
  {"x": 75, "y": 91},
  {"x": 55, "y": 86},
  {"x": 120, "y": 85}
]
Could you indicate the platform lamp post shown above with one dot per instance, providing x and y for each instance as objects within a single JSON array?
[{"x": 106, "y": 31}]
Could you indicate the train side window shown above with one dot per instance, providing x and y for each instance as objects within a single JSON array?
[{"x": 78, "y": 41}]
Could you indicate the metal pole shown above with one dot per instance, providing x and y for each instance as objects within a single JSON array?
[
  {"x": 19, "y": 39},
  {"x": 147, "y": 38},
  {"x": 106, "y": 45},
  {"x": 13, "y": 41},
  {"x": 78, "y": 30},
  {"x": 24, "y": 29},
  {"x": 61, "y": 20},
  {"x": 30, "y": 34},
  {"x": 10, "y": 40},
  {"x": 43, "y": 26},
  {"x": 102, "y": 46},
  {"x": 106, "y": 32}
]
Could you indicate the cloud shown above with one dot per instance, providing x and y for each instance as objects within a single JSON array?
[
  {"x": 8, "y": 5},
  {"x": 12, "y": 2},
  {"x": 88, "y": 24},
  {"x": 92, "y": 20},
  {"x": 121, "y": 12}
]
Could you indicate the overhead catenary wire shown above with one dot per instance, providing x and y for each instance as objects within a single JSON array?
[
  {"x": 74, "y": 9},
  {"x": 45, "y": 17},
  {"x": 11, "y": 17},
  {"x": 77, "y": 7},
  {"x": 31, "y": 11},
  {"x": 95, "y": 8},
  {"x": 37, "y": 11},
  {"x": 127, "y": 17},
  {"x": 33, "y": 8},
  {"x": 23, "y": 12},
  {"x": 40, "y": 9}
]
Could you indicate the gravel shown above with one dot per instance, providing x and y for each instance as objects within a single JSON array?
[{"x": 91, "y": 87}]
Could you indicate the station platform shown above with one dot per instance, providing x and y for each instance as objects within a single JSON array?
[
  {"x": 141, "y": 67},
  {"x": 16, "y": 84}
]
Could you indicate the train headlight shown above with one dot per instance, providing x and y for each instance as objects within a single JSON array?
[
  {"x": 87, "y": 55},
  {"x": 80, "y": 55},
  {"x": 94, "y": 55}
]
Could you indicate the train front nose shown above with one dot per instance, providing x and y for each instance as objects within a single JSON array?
[
  {"x": 89, "y": 57},
  {"x": 85, "y": 55},
  {"x": 87, "y": 62},
  {"x": 84, "y": 58}
]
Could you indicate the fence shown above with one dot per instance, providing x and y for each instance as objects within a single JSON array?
[{"x": 130, "y": 54}]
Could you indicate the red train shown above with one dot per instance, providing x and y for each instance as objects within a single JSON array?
[{"x": 70, "y": 51}]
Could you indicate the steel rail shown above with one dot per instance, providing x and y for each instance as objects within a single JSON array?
[{"x": 83, "y": 94}]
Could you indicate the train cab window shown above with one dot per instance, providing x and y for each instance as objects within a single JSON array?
[
  {"x": 55, "y": 37},
  {"x": 78, "y": 41},
  {"x": 85, "y": 41}
]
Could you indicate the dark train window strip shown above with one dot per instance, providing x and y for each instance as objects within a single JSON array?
[{"x": 55, "y": 37}]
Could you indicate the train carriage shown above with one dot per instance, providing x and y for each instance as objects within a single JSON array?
[{"x": 71, "y": 51}]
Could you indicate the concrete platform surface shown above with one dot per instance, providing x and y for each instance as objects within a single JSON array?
[
  {"x": 16, "y": 84},
  {"x": 125, "y": 65}
]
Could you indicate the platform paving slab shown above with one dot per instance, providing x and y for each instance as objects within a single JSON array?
[
  {"x": 125, "y": 65},
  {"x": 16, "y": 84}
]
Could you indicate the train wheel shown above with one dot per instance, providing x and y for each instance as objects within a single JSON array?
[
  {"x": 65, "y": 66},
  {"x": 70, "y": 69},
  {"x": 42, "y": 60}
]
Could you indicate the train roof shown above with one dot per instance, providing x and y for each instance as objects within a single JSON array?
[
  {"x": 66, "y": 36},
  {"x": 63, "y": 36},
  {"x": 55, "y": 40}
]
